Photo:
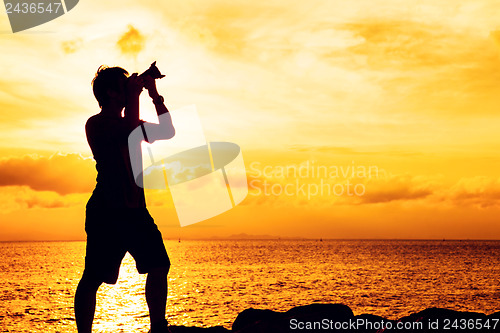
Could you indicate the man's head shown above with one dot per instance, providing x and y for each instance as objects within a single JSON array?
[{"x": 109, "y": 84}]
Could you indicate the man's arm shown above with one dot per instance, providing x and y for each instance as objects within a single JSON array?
[
  {"x": 133, "y": 88},
  {"x": 150, "y": 85},
  {"x": 164, "y": 130}
]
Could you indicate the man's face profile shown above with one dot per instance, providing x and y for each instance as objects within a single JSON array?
[{"x": 119, "y": 96}]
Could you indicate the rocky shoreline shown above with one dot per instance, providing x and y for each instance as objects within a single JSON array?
[{"x": 340, "y": 318}]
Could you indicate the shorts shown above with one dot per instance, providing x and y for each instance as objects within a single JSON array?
[{"x": 111, "y": 233}]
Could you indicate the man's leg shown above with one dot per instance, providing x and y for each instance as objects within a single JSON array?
[
  {"x": 156, "y": 294},
  {"x": 85, "y": 300},
  {"x": 147, "y": 248}
]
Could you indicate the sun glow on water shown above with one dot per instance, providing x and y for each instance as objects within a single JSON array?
[{"x": 210, "y": 282}]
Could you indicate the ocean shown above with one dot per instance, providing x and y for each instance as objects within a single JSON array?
[{"x": 210, "y": 282}]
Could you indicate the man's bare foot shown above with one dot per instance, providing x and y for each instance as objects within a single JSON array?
[{"x": 161, "y": 327}]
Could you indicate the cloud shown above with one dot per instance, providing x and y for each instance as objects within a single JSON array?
[
  {"x": 288, "y": 185},
  {"x": 395, "y": 57},
  {"x": 14, "y": 198},
  {"x": 131, "y": 42},
  {"x": 71, "y": 46},
  {"x": 223, "y": 27},
  {"x": 389, "y": 43},
  {"x": 309, "y": 184},
  {"x": 413, "y": 59},
  {"x": 47, "y": 181},
  {"x": 478, "y": 191},
  {"x": 338, "y": 150},
  {"x": 59, "y": 173},
  {"x": 495, "y": 34},
  {"x": 398, "y": 188}
]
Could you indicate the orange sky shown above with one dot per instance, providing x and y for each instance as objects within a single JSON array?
[{"x": 410, "y": 90}]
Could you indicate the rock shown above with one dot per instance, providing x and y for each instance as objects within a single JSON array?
[
  {"x": 340, "y": 318},
  {"x": 437, "y": 313},
  {"x": 253, "y": 317},
  {"x": 437, "y": 320},
  {"x": 372, "y": 323},
  {"x": 339, "y": 311},
  {"x": 253, "y": 320}
]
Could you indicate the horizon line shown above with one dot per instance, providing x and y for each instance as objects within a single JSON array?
[{"x": 272, "y": 238}]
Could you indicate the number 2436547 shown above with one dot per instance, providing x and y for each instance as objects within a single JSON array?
[
  {"x": 33, "y": 7},
  {"x": 473, "y": 324}
]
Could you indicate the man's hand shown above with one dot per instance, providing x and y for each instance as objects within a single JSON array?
[
  {"x": 150, "y": 85},
  {"x": 135, "y": 84}
]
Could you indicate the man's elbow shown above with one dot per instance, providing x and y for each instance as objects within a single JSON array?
[
  {"x": 165, "y": 135},
  {"x": 168, "y": 133},
  {"x": 172, "y": 132}
]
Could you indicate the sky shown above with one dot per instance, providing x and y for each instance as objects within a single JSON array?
[{"x": 359, "y": 119}]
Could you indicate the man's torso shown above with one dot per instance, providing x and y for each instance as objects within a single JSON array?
[{"x": 108, "y": 140}]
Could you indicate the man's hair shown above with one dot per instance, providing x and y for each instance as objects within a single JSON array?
[{"x": 107, "y": 78}]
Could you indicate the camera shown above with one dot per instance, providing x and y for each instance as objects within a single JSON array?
[{"x": 153, "y": 71}]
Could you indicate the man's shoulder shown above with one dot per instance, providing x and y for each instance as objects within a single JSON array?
[
  {"x": 95, "y": 119},
  {"x": 96, "y": 124},
  {"x": 99, "y": 120}
]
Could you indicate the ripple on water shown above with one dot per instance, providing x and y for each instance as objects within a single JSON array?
[{"x": 210, "y": 282}]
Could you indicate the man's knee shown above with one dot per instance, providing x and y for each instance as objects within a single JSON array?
[
  {"x": 89, "y": 282},
  {"x": 160, "y": 270}
]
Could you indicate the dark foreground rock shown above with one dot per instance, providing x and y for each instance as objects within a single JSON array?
[{"x": 340, "y": 318}]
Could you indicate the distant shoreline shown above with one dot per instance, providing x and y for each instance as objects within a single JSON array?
[{"x": 282, "y": 239}]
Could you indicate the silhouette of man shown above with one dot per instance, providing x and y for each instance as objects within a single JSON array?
[{"x": 117, "y": 220}]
